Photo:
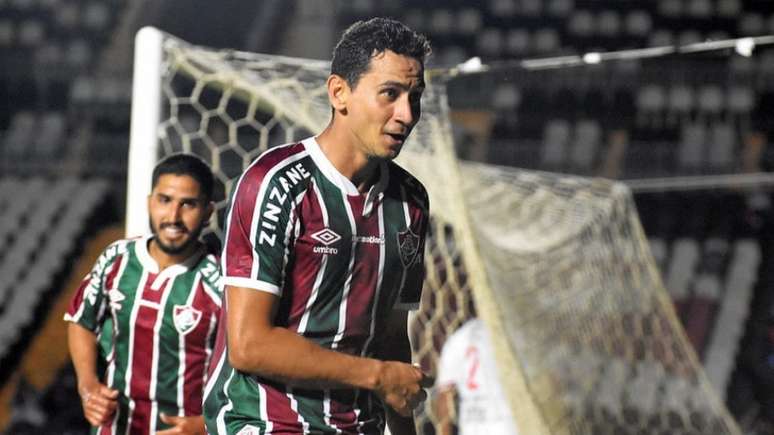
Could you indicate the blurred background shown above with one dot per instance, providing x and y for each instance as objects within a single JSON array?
[{"x": 689, "y": 133}]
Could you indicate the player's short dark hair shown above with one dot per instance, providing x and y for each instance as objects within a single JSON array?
[
  {"x": 186, "y": 164},
  {"x": 365, "y": 39}
]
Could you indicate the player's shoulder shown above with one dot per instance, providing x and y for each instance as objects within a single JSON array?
[
  {"x": 286, "y": 161},
  {"x": 403, "y": 179},
  {"x": 120, "y": 246},
  {"x": 209, "y": 268}
]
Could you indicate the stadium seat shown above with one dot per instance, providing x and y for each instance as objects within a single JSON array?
[
  {"x": 650, "y": 103},
  {"x": 689, "y": 36},
  {"x": 502, "y": 8},
  {"x": 546, "y": 41},
  {"x": 701, "y": 9},
  {"x": 711, "y": 101},
  {"x": 587, "y": 140},
  {"x": 506, "y": 97},
  {"x": 680, "y": 103},
  {"x": 685, "y": 258},
  {"x": 728, "y": 8},
  {"x": 7, "y": 33},
  {"x": 517, "y": 42},
  {"x": 469, "y": 21},
  {"x": 608, "y": 23},
  {"x": 581, "y": 24},
  {"x": 442, "y": 22},
  {"x": 722, "y": 147},
  {"x": 556, "y": 138},
  {"x": 670, "y": 8},
  {"x": 490, "y": 42},
  {"x": 690, "y": 153},
  {"x": 560, "y": 8},
  {"x": 638, "y": 23},
  {"x": 661, "y": 38},
  {"x": 752, "y": 24}
]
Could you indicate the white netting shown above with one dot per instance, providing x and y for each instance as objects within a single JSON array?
[{"x": 558, "y": 266}]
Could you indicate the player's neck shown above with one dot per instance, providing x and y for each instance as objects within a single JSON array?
[
  {"x": 339, "y": 148},
  {"x": 164, "y": 259}
]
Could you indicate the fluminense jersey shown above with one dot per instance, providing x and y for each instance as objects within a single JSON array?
[
  {"x": 338, "y": 260},
  {"x": 156, "y": 331},
  {"x": 468, "y": 364}
]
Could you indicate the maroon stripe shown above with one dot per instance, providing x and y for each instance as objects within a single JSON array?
[
  {"x": 142, "y": 353},
  {"x": 77, "y": 299},
  {"x": 141, "y": 418},
  {"x": 343, "y": 411},
  {"x": 307, "y": 263},
  {"x": 238, "y": 257},
  {"x": 195, "y": 353},
  {"x": 364, "y": 280},
  {"x": 111, "y": 276},
  {"x": 279, "y": 412},
  {"x": 106, "y": 429},
  {"x": 219, "y": 349}
]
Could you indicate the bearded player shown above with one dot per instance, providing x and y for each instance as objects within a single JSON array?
[{"x": 143, "y": 321}]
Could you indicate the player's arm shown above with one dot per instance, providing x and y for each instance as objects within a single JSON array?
[
  {"x": 394, "y": 345},
  {"x": 98, "y": 401},
  {"x": 256, "y": 346}
]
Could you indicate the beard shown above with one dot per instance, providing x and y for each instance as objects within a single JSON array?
[{"x": 193, "y": 238}]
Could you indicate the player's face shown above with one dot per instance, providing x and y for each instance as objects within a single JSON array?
[
  {"x": 178, "y": 213},
  {"x": 385, "y": 105}
]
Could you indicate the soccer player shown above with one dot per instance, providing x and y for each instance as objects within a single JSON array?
[
  {"x": 143, "y": 321},
  {"x": 323, "y": 256},
  {"x": 468, "y": 380}
]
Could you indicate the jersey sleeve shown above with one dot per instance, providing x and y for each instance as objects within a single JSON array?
[
  {"x": 258, "y": 233},
  {"x": 88, "y": 306},
  {"x": 411, "y": 291}
]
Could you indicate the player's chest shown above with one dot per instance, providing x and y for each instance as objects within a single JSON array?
[
  {"x": 348, "y": 227},
  {"x": 141, "y": 300}
]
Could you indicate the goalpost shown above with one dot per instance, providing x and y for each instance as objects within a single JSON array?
[{"x": 557, "y": 266}]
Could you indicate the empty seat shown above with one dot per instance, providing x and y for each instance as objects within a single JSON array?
[
  {"x": 722, "y": 146},
  {"x": 711, "y": 100},
  {"x": 96, "y": 16},
  {"x": 581, "y": 23},
  {"x": 688, "y": 37},
  {"x": 546, "y": 41},
  {"x": 490, "y": 42},
  {"x": 740, "y": 100},
  {"x": 690, "y": 154},
  {"x": 728, "y": 8},
  {"x": 560, "y": 8},
  {"x": 517, "y": 41},
  {"x": 699, "y": 9},
  {"x": 670, "y": 8},
  {"x": 556, "y": 137},
  {"x": 681, "y": 101},
  {"x": 506, "y": 97},
  {"x": 442, "y": 22},
  {"x": 650, "y": 102},
  {"x": 31, "y": 33},
  {"x": 608, "y": 23},
  {"x": 752, "y": 24},
  {"x": 469, "y": 21},
  {"x": 588, "y": 135},
  {"x": 661, "y": 38},
  {"x": 7, "y": 33},
  {"x": 638, "y": 23},
  {"x": 685, "y": 257},
  {"x": 502, "y": 8}
]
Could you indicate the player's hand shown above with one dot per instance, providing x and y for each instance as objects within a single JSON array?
[
  {"x": 400, "y": 386},
  {"x": 192, "y": 425},
  {"x": 99, "y": 403}
]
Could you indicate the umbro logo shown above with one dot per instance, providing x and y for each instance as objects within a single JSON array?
[{"x": 327, "y": 237}]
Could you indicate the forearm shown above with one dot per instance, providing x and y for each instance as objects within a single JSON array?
[
  {"x": 286, "y": 357},
  {"x": 83, "y": 352}
]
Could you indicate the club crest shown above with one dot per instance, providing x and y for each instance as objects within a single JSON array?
[
  {"x": 249, "y": 429},
  {"x": 186, "y": 318},
  {"x": 408, "y": 246}
]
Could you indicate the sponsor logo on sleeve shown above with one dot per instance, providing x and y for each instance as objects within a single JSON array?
[
  {"x": 185, "y": 318},
  {"x": 270, "y": 215}
]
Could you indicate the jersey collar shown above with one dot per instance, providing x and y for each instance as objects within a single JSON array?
[
  {"x": 150, "y": 264},
  {"x": 375, "y": 193}
]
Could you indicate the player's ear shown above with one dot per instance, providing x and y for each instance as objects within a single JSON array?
[
  {"x": 338, "y": 92},
  {"x": 208, "y": 212}
]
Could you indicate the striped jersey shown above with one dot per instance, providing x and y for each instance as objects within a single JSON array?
[
  {"x": 339, "y": 262},
  {"x": 155, "y": 331}
]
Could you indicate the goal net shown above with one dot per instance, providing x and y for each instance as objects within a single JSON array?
[{"x": 557, "y": 266}]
